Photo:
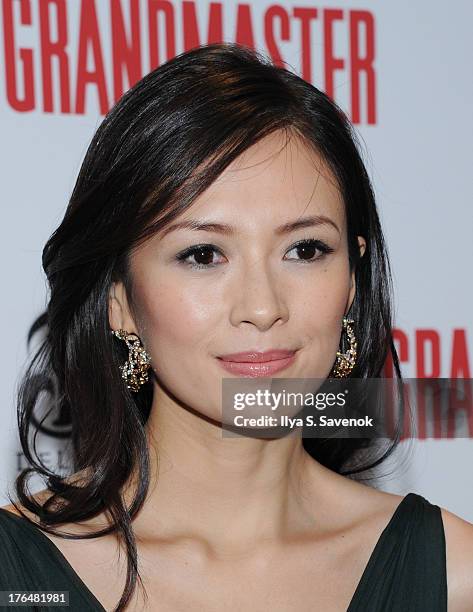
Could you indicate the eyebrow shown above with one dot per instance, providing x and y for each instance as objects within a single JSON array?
[{"x": 228, "y": 230}]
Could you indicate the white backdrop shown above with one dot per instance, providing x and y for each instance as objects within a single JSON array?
[{"x": 60, "y": 66}]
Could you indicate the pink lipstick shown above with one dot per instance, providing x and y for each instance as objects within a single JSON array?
[{"x": 257, "y": 363}]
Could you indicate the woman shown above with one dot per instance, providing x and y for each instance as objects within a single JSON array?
[{"x": 180, "y": 248}]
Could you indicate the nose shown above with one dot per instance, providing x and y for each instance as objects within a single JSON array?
[{"x": 257, "y": 298}]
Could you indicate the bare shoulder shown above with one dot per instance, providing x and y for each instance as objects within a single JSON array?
[
  {"x": 41, "y": 497},
  {"x": 19, "y": 510},
  {"x": 365, "y": 505},
  {"x": 459, "y": 550}
]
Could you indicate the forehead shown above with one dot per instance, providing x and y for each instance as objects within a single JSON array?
[{"x": 269, "y": 184}]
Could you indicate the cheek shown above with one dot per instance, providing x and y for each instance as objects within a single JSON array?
[
  {"x": 176, "y": 324},
  {"x": 320, "y": 313},
  {"x": 326, "y": 296},
  {"x": 171, "y": 317}
]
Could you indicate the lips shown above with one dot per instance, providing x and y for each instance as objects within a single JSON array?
[
  {"x": 258, "y": 356},
  {"x": 256, "y": 363}
]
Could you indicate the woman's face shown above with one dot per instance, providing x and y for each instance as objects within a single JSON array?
[{"x": 251, "y": 287}]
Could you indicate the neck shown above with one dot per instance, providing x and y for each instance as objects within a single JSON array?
[{"x": 231, "y": 493}]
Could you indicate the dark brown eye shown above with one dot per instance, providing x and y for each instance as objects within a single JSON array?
[
  {"x": 203, "y": 255},
  {"x": 310, "y": 250},
  {"x": 306, "y": 251},
  {"x": 200, "y": 256}
]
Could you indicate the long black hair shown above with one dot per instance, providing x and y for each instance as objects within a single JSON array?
[{"x": 165, "y": 141}]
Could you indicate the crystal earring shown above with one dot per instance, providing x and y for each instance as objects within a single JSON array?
[
  {"x": 345, "y": 361},
  {"x": 135, "y": 369}
]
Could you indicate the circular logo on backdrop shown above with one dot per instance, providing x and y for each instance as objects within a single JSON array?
[{"x": 46, "y": 416}]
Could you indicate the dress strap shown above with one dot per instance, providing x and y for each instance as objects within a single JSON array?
[{"x": 407, "y": 569}]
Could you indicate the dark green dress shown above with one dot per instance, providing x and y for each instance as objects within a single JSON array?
[{"x": 405, "y": 573}]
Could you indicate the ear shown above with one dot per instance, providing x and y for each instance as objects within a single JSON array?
[
  {"x": 351, "y": 296},
  {"x": 119, "y": 314}
]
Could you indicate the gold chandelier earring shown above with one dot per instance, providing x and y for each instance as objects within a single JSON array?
[
  {"x": 345, "y": 361},
  {"x": 135, "y": 369}
]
